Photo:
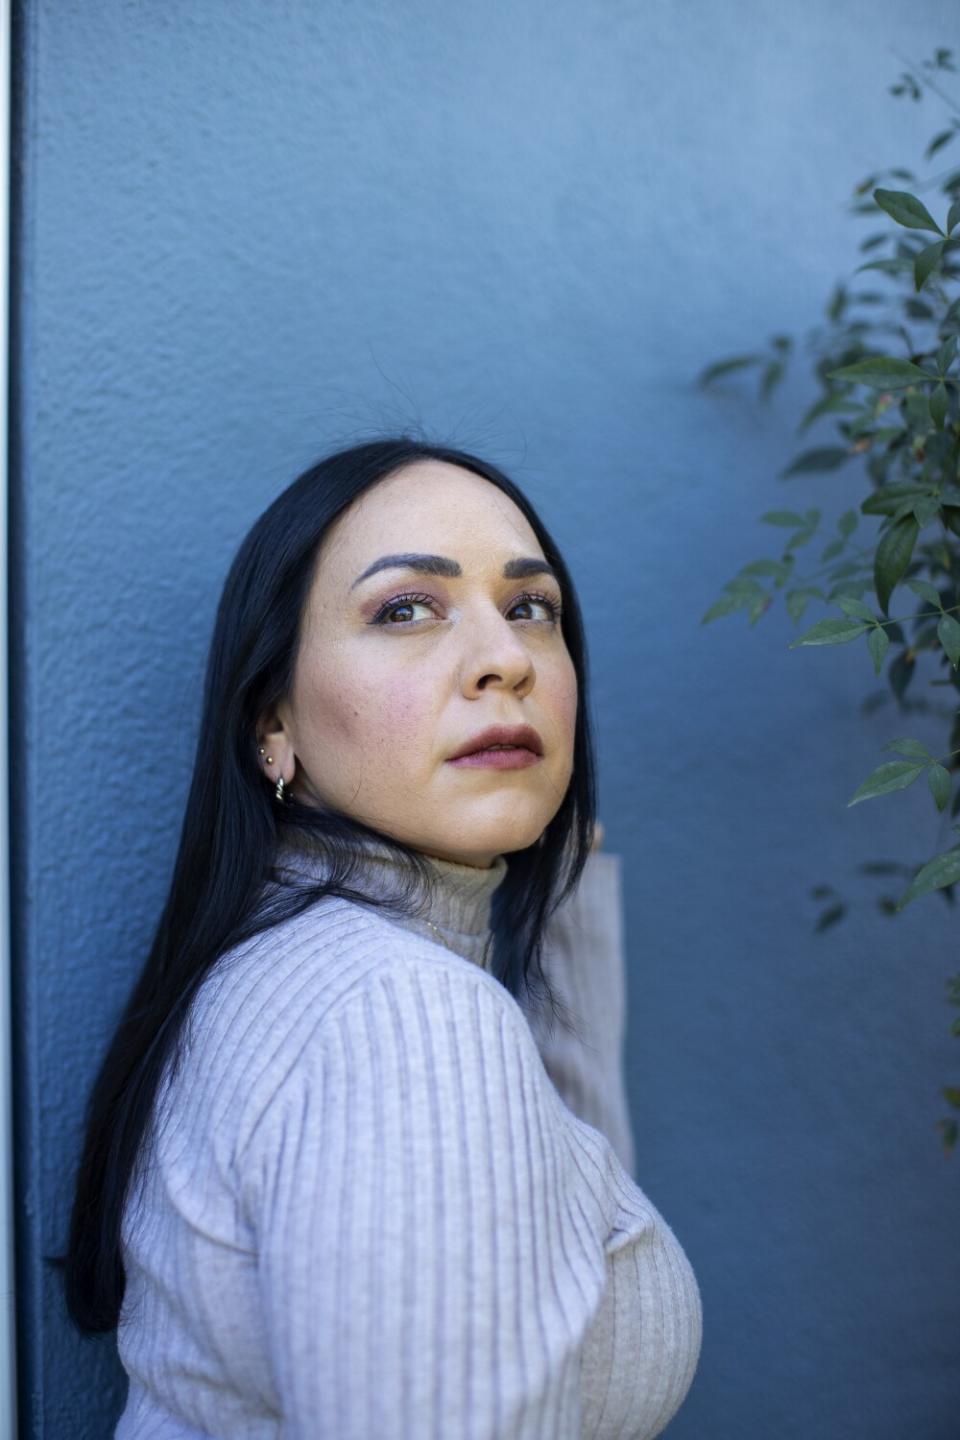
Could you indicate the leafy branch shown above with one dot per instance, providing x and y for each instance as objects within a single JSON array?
[{"x": 886, "y": 362}]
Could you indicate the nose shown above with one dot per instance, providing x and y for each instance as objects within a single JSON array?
[{"x": 494, "y": 653}]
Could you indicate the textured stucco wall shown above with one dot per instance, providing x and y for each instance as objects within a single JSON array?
[{"x": 250, "y": 232}]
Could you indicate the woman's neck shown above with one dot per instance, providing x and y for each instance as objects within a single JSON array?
[{"x": 455, "y": 912}]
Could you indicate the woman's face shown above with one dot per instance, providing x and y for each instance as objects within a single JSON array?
[{"x": 398, "y": 669}]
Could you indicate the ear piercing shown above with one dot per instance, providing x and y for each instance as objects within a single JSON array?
[{"x": 279, "y": 791}]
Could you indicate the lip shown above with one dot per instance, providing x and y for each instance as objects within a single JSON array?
[
  {"x": 523, "y": 736},
  {"x": 517, "y": 759}
]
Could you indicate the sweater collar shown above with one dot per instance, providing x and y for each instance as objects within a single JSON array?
[{"x": 458, "y": 906}]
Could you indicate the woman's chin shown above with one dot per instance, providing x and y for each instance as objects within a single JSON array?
[{"x": 480, "y": 846}]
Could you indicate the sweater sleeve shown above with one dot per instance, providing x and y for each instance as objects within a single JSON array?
[
  {"x": 583, "y": 958},
  {"x": 426, "y": 1263}
]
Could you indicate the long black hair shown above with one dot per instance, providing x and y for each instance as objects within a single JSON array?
[{"x": 224, "y": 887}]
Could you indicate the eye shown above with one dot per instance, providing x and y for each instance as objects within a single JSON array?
[
  {"x": 400, "y": 602},
  {"x": 408, "y": 601},
  {"x": 551, "y": 606}
]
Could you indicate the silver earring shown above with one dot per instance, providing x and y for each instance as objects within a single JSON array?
[{"x": 278, "y": 793}]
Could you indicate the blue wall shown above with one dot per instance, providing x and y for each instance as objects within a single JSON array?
[{"x": 248, "y": 233}]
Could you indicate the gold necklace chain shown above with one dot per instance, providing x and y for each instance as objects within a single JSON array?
[
  {"x": 452, "y": 948},
  {"x": 440, "y": 937}
]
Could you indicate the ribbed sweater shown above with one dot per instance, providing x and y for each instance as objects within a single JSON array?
[{"x": 378, "y": 1203}]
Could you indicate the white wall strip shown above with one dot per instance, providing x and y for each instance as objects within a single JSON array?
[{"x": 8, "y": 1370}]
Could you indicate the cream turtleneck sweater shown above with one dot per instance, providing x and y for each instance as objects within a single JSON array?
[{"x": 380, "y": 1202}]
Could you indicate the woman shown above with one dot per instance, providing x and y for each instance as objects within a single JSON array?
[{"x": 345, "y": 1175}]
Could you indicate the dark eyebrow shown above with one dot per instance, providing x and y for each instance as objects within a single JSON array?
[{"x": 441, "y": 565}]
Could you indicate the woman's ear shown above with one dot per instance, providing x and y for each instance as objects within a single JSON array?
[{"x": 275, "y": 750}]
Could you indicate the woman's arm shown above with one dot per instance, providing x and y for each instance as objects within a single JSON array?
[
  {"x": 584, "y": 960},
  {"x": 427, "y": 1262}
]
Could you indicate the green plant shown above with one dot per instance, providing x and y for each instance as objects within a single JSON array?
[{"x": 887, "y": 366}]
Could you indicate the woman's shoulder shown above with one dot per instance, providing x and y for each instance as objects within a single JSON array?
[
  {"x": 338, "y": 1011},
  {"x": 268, "y": 1004},
  {"x": 302, "y": 969}
]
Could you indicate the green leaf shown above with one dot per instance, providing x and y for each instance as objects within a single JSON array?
[
  {"x": 909, "y": 747},
  {"x": 907, "y": 508},
  {"x": 878, "y": 643},
  {"x": 847, "y": 523},
  {"x": 938, "y": 141},
  {"x": 797, "y": 601},
  {"x": 941, "y": 870},
  {"x": 916, "y": 408},
  {"x": 829, "y": 404},
  {"x": 900, "y": 672},
  {"x": 948, "y": 633},
  {"x": 724, "y": 606},
  {"x": 953, "y": 217},
  {"x": 947, "y": 354},
  {"x": 906, "y": 209},
  {"x": 848, "y": 589},
  {"x": 855, "y": 608},
  {"x": 926, "y": 591},
  {"x": 783, "y": 517},
  {"x": 938, "y": 406},
  {"x": 881, "y": 372},
  {"x": 771, "y": 376},
  {"x": 831, "y": 632},
  {"x": 757, "y": 605},
  {"x": 892, "y": 557},
  {"x": 949, "y": 1130},
  {"x": 828, "y": 457},
  {"x": 926, "y": 262},
  {"x": 870, "y": 242},
  {"x": 830, "y": 917},
  {"x": 888, "y": 498},
  {"x": 862, "y": 427},
  {"x": 886, "y": 434},
  {"x": 887, "y": 267},
  {"x": 744, "y": 585},
  {"x": 951, "y": 1093},
  {"x": 925, "y": 509},
  {"x": 725, "y": 367},
  {"x": 801, "y": 537},
  {"x": 776, "y": 569},
  {"x": 894, "y": 775},
  {"x": 938, "y": 778}
]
